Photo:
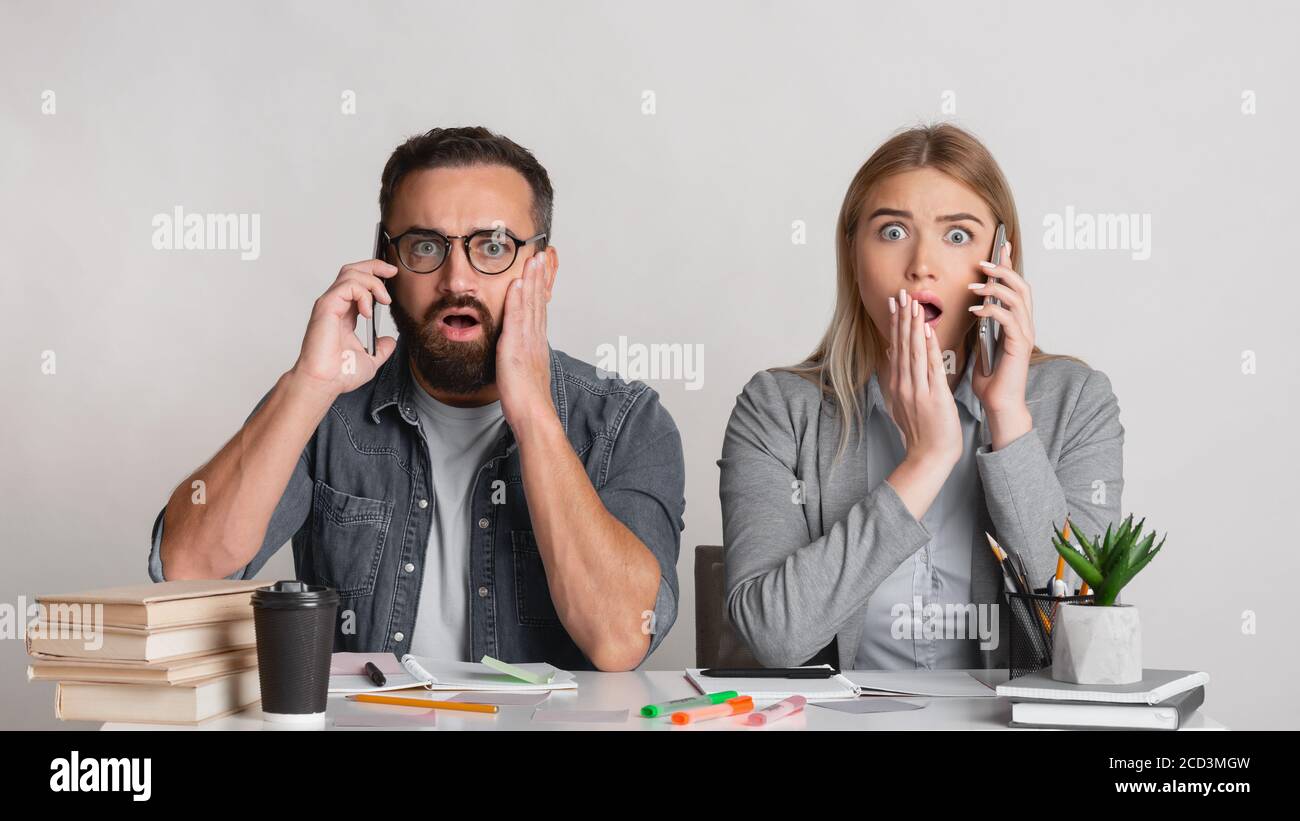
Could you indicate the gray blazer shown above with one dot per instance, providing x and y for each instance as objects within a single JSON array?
[{"x": 799, "y": 573}]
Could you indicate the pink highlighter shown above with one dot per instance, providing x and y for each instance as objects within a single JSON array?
[{"x": 772, "y": 712}]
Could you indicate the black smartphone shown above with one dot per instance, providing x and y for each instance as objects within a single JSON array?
[
  {"x": 989, "y": 329},
  {"x": 377, "y": 309}
]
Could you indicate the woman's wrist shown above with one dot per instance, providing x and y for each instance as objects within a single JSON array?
[{"x": 1007, "y": 426}]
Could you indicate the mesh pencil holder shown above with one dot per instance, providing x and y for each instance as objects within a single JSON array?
[{"x": 1033, "y": 617}]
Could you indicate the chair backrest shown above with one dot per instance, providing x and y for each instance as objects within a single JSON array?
[{"x": 717, "y": 644}]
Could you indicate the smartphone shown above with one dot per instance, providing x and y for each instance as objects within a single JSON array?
[
  {"x": 989, "y": 329},
  {"x": 377, "y": 309}
]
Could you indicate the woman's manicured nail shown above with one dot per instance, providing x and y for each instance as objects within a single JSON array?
[
  {"x": 902, "y": 297},
  {"x": 893, "y": 305},
  {"x": 986, "y": 264},
  {"x": 974, "y": 307},
  {"x": 927, "y": 332},
  {"x": 975, "y": 285},
  {"x": 916, "y": 308}
]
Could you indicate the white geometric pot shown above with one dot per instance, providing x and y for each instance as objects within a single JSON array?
[{"x": 1097, "y": 645}]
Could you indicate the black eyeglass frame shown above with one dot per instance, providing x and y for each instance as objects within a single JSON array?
[{"x": 446, "y": 246}]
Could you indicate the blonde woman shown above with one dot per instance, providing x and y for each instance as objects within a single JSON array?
[{"x": 857, "y": 486}]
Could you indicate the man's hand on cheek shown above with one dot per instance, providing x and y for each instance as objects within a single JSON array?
[{"x": 523, "y": 355}]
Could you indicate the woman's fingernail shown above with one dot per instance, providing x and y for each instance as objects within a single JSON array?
[
  {"x": 902, "y": 297},
  {"x": 974, "y": 307},
  {"x": 975, "y": 285},
  {"x": 916, "y": 307},
  {"x": 987, "y": 264},
  {"x": 893, "y": 305},
  {"x": 927, "y": 332}
]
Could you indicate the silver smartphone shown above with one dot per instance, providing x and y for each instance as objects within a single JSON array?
[
  {"x": 989, "y": 329},
  {"x": 376, "y": 309}
]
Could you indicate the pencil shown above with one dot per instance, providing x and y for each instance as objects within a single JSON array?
[{"x": 464, "y": 706}]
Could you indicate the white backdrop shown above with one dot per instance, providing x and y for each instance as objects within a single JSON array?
[{"x": 674, "y": 223}]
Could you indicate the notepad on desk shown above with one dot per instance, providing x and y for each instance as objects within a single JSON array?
[
  {"x": 851, "y": 684},
  {"x": 432, "y": 674}
]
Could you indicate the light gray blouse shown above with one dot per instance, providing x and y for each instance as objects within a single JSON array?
[{"x": 911, "y": 618}]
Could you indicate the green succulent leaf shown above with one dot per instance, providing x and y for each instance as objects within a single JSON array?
[
  {"x": 1080, "y": 564},
  {"x": 1088, "y": 549},
  {"x": 1109, "y": 590}
]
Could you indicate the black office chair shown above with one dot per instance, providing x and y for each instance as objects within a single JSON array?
[{"x": 717, "y": 644}]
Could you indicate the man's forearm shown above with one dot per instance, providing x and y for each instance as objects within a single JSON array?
[
  {"x": 242, "y": 485},
  {"x": 602, "y": 578}
]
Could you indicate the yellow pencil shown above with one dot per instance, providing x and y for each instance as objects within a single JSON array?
[{"x": 464, "y": 706}]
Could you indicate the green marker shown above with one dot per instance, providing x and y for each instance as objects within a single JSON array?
[{"x": 656, "y": 710}]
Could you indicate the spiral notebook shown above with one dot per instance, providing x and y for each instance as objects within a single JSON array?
[{"x": 432, "y": 674}]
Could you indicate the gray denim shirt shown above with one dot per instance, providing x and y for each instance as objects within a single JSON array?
[{"x": 358, "y": 511}]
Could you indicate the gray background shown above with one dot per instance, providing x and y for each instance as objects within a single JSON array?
[{"x": 674, "y": 227}]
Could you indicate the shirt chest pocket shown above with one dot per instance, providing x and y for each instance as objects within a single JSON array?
[
  {"x": 532, "y": 594},
  {"x": 347, "y": 539}
]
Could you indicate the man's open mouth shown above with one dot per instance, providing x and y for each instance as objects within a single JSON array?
[{"x": 459, "y": 320}]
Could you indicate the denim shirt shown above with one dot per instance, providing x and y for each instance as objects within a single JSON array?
[{"x": 358, "y": 508}]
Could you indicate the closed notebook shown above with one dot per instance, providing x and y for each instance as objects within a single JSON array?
[
  {"x": 1155, "y": 687},
  {"x": 141, "y": 644},
  {"x": 161, "y": 604},
  {"x": 168, "y": 671},
  {"x": 432, "y": 674},
  {"x": 1167, "y": 715},
  {"x": 157, "y": 703}
]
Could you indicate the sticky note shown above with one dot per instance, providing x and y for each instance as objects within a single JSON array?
[{"x": 543, "y": 677}]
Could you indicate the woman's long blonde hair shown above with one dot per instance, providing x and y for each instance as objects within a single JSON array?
[{"x": 846, "y": 356}]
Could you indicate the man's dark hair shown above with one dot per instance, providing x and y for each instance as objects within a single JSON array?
[{"x": 465, "y": 146}]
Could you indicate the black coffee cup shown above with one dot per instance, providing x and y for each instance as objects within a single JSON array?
[{"x": 294, "y": 623}]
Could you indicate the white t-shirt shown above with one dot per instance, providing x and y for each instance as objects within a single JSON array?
[{"x": 460, "y": 441}]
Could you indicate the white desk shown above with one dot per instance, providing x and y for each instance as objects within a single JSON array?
[{"x": 616, "y": 691}]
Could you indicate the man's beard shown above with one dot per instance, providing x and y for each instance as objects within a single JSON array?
[{"x": 458, "y": 368}]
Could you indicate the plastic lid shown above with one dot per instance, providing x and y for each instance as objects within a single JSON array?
[{"x": 294, "y": 594}]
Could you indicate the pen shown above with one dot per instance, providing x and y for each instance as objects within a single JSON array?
[
  {"x": 655, "y": 710},
  {"x": 463, "y": 706},
  {"x": 1011, "y": 578},
  {"x": 769, "y": 672},
  {"x": 376, "y": 675},
  {"x": 730, "y": 707}
]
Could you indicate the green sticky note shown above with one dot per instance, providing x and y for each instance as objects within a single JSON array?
[{"x": 519, "y": 672}]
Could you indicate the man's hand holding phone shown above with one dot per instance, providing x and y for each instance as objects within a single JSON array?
[{"x": 332, "y": 360}]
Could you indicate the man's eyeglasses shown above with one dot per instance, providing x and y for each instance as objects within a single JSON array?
[{"x": 490, "y": 251}]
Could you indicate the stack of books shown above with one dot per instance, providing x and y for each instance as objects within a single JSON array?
[
  {"x": 175, "y": 652},
  {"x": 1162, "y": 700}
]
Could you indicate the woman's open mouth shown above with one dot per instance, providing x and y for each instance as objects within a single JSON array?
[{"x": 930, "y": 304}]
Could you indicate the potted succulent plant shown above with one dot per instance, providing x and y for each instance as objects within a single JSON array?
[{"x": 1101, "y": 642}]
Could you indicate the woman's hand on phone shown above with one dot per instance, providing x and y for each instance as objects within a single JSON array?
[
  {"x": 333, "y": 360},
  {"x": 1003, "y": 393},
  {"x": 920, "y": 402}
]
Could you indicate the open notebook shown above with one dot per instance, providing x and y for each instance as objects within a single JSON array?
[{"x": 431, "y": 674}]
